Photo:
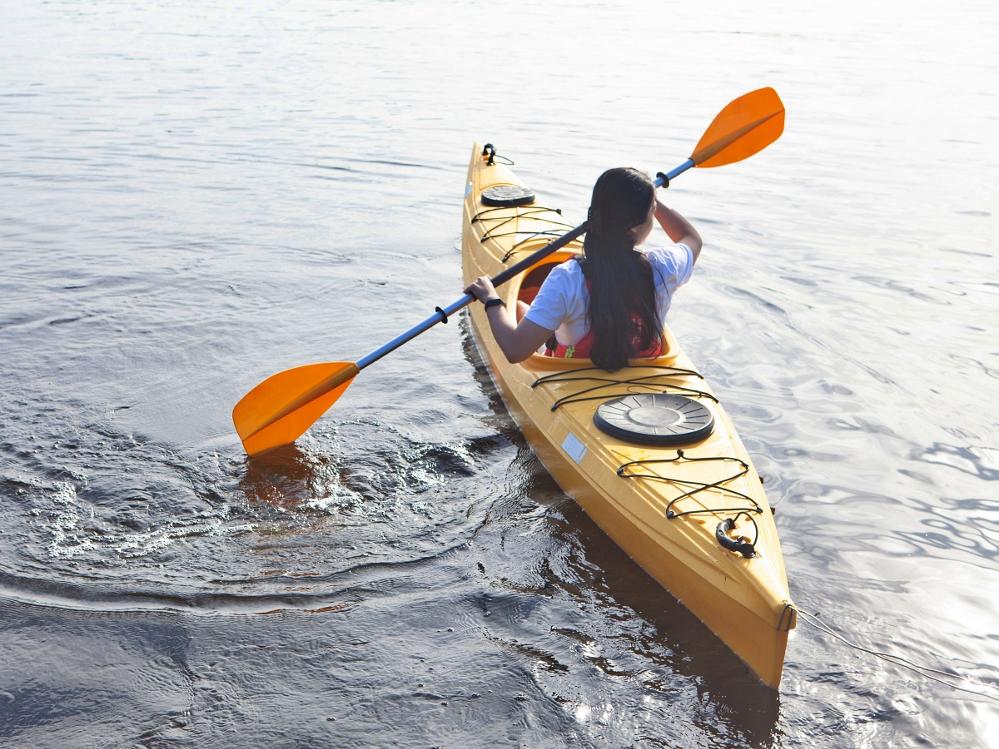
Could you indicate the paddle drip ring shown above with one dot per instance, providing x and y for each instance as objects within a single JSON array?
[
  {"x": 655, "y": 419},
  {"x": 507, "y": 195}
]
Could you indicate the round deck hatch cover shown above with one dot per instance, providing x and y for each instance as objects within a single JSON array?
[
  {"x": 655, "y": 419},
  {"x": 509, "y": 195}
]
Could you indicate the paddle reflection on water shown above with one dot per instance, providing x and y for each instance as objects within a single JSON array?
[{"x": 284, "y": 477}]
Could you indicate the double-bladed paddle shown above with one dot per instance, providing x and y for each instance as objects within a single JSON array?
[{"x": 279, "y": 410}]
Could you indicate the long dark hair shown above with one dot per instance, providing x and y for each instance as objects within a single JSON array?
[{"x": 622, "y": 313}]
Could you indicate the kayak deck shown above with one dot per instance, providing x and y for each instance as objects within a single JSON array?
[{"x": 666, "y": 507}]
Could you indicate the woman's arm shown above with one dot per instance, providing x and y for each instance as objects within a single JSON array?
[
  {"x": 678, "y": 228},
  {"x": 517, "y": 340}
]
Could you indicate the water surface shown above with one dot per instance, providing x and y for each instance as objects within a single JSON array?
[{"x": 193, "y": 198}]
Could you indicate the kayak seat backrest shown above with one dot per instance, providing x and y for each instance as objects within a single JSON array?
[{"x": 526, "y": 288}]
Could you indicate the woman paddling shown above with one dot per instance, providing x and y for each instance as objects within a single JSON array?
[{"x": 610, "y": 303}]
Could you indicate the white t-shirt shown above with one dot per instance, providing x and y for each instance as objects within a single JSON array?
[{"x": 563, "y": 299}]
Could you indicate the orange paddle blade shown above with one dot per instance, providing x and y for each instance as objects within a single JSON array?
[
  {"x": 746, "y": 126},
  {"x": 278, "y": 410}
]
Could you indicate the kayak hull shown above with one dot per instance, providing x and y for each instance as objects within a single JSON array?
[{"x": 743, "y": 601}]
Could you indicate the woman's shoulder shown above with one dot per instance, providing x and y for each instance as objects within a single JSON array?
[
  {"x": 568, "y": 273},
  {"x": 672, "y": 264},
  {"x": 668, "y": 253}
]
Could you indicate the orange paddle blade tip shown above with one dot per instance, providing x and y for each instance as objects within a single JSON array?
[
  {"x": 279, "y": 410},
  {"x": 746, "y": 126}
]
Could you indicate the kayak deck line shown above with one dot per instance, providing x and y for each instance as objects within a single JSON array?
[
  {"x": 533, "y": 213},
  {"x": 646, "y": 382},
  {"x": 723, "y": 531},
  {"x": 694, "y": 516},
  {"x": 699, "y": 486}
]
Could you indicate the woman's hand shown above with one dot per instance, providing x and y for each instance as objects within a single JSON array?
[
  {"x": 517, "y": 340},
  {"x": 482, "y": 289}
]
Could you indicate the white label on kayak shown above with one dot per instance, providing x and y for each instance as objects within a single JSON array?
[
  {"x": 468, "y": 189},
  {"x": 573, "y": 447}
]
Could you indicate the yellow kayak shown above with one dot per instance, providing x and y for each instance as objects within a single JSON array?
[{"x": 648, "y": 452}]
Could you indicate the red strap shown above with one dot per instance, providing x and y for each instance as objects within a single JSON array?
[
  {"x": 583, "y": 348},
  {"x": 580, "y": 350}
]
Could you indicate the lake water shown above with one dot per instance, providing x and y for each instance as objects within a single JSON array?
[{"x": 195, "y": 196}]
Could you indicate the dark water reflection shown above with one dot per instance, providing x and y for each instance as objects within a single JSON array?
[{"x": 192, "y": 198}]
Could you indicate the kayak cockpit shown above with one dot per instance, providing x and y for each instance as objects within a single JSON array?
[{"x": 525, "y": 287}]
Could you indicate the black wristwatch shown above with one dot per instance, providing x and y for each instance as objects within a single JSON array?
[{"x": 493, "y": 302}]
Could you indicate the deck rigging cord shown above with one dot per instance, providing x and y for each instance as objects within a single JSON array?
[
  {"x": 495, "y": 218},
  {"x": 645, "y": 383}
]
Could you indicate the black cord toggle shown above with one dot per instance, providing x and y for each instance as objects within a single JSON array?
[
  {"x": 490, "y": 149},
  {"x": 742, "y": 545},
  {"x": 443, "y": 315}
]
